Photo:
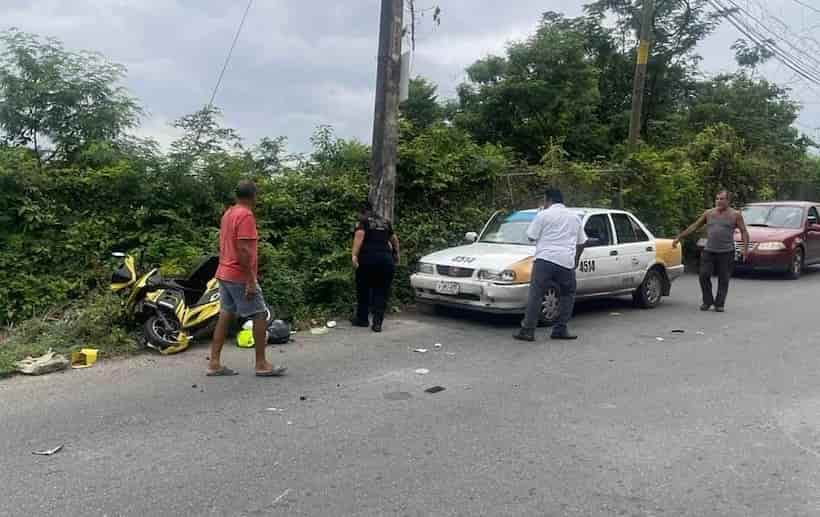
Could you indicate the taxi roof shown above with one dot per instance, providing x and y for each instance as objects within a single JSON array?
[{"x": 577, "y": 210}]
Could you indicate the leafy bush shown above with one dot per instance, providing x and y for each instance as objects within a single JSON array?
[{"x": 97, "y": 321}]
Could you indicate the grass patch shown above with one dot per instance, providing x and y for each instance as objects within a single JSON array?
[{"x": 98, "y": 322}]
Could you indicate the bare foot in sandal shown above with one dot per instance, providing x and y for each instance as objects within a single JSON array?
[
  {"x": 222, "y": 371},
  {"x": 269, "y": 370}
]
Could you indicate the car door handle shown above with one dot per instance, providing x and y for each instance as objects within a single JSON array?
[
  {"x": 650, "y": 248},
  {"x": 613, "y": 253},
  {"x": 636, "y": 261}
]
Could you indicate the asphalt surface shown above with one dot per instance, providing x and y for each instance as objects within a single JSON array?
[{"x": 721, "y": 420}]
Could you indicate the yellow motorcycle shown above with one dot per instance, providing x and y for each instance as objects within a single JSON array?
[{"x": 174, "y": 311}]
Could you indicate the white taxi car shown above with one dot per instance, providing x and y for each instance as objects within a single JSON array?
[{"x": 492, "y": 273}]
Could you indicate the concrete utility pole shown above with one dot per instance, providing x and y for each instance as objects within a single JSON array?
[
  {"x": 386, "y": 120},
  {"x": 647, "y": 18}
]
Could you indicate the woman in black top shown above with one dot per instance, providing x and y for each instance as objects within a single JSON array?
[{"x": 375, "y": 255}]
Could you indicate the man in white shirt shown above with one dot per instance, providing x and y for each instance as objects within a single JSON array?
[{"x": 560, "y": 238}]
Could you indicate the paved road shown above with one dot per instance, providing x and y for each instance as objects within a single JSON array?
[{"x": 722, "y": 420}]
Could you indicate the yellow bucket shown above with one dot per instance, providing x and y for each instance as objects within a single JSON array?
[
  {"x": 85, "y": 358},
  {"x": 245, "y": 339}
]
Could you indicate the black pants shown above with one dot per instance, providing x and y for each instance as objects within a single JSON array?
[
  {"x": 711, "y": 263},
  {"x": 545, "y": 274},
  {"x": 373, "y": 280}
]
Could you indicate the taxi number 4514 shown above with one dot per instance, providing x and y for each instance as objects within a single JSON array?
[{"x": 587, "y": 266}]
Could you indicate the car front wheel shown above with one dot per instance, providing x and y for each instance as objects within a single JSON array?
[
  {"x": 796, "y": 267},
  {"x": 650, "y": 293}
]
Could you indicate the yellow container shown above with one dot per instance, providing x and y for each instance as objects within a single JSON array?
[{"x": 85, "y": 358}]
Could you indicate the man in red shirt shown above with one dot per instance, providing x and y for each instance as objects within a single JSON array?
[{"x": 239, "y": 291}]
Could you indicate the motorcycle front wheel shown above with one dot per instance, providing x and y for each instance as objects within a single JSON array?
[{"x": 161, "y": 336}]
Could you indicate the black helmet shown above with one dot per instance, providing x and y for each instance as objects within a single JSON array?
[{"x": 278, "y": 332}]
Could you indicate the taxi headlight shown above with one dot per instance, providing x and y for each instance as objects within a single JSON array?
[
  {"x": 497, "y": 276},
  {"x": 771, "y": 246},
  {"x": 426, "y": 268}
]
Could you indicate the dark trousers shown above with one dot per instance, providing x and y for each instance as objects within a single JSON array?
[
  {"x": 373, "y": 281},
  {"x": 545, "y": 274},
  {"x": 711, "y": 263}
]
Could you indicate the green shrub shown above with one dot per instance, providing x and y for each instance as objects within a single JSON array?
[{"x": 97, "y": 321}]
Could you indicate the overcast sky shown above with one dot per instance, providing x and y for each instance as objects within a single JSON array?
[{"x": 301, "y": 63}]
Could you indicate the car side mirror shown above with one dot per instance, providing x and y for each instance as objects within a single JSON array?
[{"x": 471, "y": 237}]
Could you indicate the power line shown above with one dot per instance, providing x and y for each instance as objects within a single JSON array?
[
  {"x": 807, "y": 6},
  {"x": 806, "y": 71},
  {"x": 781, "y": 55},
  {"x": 780, "y": 37},
  {"x": 230, "y": 53}
]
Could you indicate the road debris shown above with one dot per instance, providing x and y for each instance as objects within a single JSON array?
[
  {"x": 290, "y": 423},
  {"x": 660, "y": 339},
  {"x": 438, "y": 346},
  {"x": 49, "y": 362},
  {"x": 284, "y": 495},
  {"x": 451, "y": 354},
  {"x": 678, "y": 331},
  {"x": 615, "y": 314},
  {"x": 701, "y": 333},
  {"x": 85, "y": 358},
  {"x": 319, "y": 331},
  {"x": 398, "y": 395},
  {"x": 421, "y": 350},
  {"x": 303, "y": 398},
  {"x": 274, "y": 410},
  {"x": 422, "y": 371},
  {"x": 193, "y": 386},
  {"x": 331, "y": 324},
  {"x": 434, "y": 389},
  {"x": 49, "y": 452}
]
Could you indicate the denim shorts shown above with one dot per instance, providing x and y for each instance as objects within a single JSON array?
[{"x": 232, "y": 299}]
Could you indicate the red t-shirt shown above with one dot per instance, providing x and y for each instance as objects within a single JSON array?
[{"x": 238, "y": 224}]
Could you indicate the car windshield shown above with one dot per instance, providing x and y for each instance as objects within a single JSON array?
[
  {"x": 510, "y": 228},
  {"x": 773, "y": 216},
  {"x": 506, "y": 228}
]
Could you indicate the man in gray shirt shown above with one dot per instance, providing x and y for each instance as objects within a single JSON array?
[{"x": 719, "y": 254}]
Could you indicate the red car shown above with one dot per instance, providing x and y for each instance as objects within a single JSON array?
[{"x": 784, "y": 235}]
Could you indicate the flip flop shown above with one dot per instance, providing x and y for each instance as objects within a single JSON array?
[
  {"x": 222, "y": 372},
  {"x": 276, "y": 372}
]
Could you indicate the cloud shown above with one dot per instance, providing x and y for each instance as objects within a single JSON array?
[{"x": 299, "y": 64}]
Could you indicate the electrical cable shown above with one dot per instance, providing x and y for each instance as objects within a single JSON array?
[{"x": 230, "y": 53}]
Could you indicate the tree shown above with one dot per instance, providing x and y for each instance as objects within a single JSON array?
[
  {"x": 421, "y": 107},
  {"x": 204, "y": 134},
  {"x": 50, "y": 97},
  {"x": 269, "y": 154},
  {"x": 750, "y": 56},
  {"x": 760, "y": 113},
  {"x": 679, "y": 25},
  {"x": 544, "y": 88}
]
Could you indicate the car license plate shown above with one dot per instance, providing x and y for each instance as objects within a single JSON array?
[{"x": 449, "y": 288}]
